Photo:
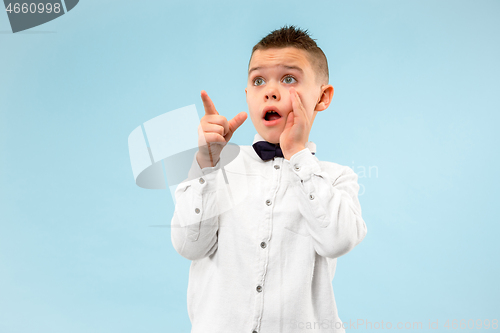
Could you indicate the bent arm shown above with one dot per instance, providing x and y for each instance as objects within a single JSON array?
[
  {"x": 196, "y": 220},
  {"x": 330, "y": 206}
]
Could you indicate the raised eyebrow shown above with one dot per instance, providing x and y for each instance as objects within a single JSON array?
[
  {"x": 294, "y": 67},
  {"x": 285, "y": 66},
  {"x": 253, "y": 69}
]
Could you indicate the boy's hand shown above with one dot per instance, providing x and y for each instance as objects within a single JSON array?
[
  {"x": 298, "y": 125},
  {"x": 214, "y": 132}
]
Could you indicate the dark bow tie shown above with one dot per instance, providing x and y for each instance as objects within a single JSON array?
[{"x": 267, "y": 150}]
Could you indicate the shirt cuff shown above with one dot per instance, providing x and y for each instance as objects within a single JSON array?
[
  {"x": 203, "y": 180},
  {"x": 305, "y": 164},
  {"x": 196, "y": 171}
]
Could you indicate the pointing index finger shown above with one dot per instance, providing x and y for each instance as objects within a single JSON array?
[{"x": 208, "y": 104}]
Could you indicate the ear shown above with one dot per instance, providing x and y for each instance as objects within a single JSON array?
[
  {"x": 246, "y": 92},
  {"x": 325, "y": 98}
]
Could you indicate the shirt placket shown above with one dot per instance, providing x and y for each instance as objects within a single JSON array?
[{"x": 273, "y": 167}]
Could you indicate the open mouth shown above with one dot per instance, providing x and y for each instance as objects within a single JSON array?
[{"x": 271, "y": 115}]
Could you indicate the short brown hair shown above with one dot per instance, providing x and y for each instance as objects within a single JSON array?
[{"x": 290, "y": 36}]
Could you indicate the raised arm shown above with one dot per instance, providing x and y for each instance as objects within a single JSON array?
[{"x": 196, "y": 217}]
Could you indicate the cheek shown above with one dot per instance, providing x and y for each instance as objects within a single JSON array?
[
  {"x": 308, "y": 100},
  {"x": 304, "y": 99},
  {"x": 309, "y": 106},
  {"x": 287, "y": 98},
  {"x": 252, "y": 107}
]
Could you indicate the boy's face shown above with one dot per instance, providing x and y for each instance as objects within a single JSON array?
[{"x": 272, "y": 73}]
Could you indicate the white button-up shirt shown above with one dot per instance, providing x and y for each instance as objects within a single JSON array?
[{"x": 263, "y": 237}]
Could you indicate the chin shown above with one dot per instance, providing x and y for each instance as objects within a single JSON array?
[
  {"x": 271, "y": 136},
  {"x": 273, "y": 140}
]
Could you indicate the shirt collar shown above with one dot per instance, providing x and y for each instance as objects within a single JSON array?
[{"x": 311, "y": 145}]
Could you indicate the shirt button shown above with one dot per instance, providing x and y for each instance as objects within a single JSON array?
[
  {"x": 263, "y": 245},
  {"x": 276, "y": 167},
  {"x": 268, "y": 202},
  {"x": 259, "y": 289},
  {"x": 311, "y": 196},
  {"x": 296, "y": 167},
  {"x": 197, "y": 210},
  {"x": 202, "y": 180}
]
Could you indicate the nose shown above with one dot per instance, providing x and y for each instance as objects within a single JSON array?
[{"x": 272, "y": 93}]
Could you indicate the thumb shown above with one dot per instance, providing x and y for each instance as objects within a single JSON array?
[{"x": 235, "y": 123}]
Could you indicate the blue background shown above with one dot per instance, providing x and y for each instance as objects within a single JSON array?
[{"x": 83, "y": 249}]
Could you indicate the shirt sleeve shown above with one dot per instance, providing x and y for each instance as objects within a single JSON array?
[
  {"x": 330, "y": 206},
  {"x": 196, "y": 220}
]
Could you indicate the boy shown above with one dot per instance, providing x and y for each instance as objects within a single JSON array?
[{"x": 264, "y": 258}]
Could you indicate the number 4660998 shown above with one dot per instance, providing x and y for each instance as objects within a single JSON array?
[
  {"x": 471, "y": 324},
  {"x": 33, "y": 8}
]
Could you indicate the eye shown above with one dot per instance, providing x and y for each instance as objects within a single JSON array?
[
  {"x": 289, "y": 79},
  {"x": 258, "y": 81}
]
